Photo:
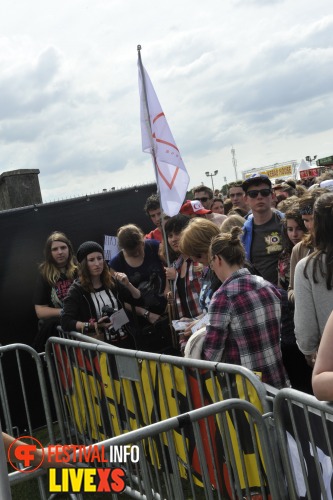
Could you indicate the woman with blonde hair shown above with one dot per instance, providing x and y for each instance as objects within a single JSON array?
[
  {"x": 244, "y": 314},
  {"x": 194, "y": 242}
]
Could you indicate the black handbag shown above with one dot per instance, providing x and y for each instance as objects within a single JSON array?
[{"x": 154, "y": 337}]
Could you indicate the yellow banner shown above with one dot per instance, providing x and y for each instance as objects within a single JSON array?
[
  {"x": 96, "y": 394},
  {"x": 274, "y": 172}
]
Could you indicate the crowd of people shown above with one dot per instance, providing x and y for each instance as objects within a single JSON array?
[{"x": 253, "y": 271}]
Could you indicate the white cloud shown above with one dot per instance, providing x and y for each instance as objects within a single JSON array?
[{"x": 254, "y": 74}]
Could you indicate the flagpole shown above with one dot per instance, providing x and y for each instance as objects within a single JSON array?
[
  {"x": 153, "y": 152},
  {"x": 173, "y": 333},
  {"x": 148, "y": 121}
]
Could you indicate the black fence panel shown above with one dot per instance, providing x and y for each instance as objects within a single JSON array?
[
  {"x": 24, "y": 232},
  {"x": 23, "y": 235}
]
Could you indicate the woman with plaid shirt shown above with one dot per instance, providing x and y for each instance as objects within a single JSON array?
[{"x": 244, "y": 314}]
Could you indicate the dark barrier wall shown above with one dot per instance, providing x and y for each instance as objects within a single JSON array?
[{"x": 23, "y": 235}]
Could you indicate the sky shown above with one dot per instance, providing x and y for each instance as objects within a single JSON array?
[{"x": 255, "y": 75}]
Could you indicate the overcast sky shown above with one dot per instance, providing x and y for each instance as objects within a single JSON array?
[{"x": 255, "y": 74}]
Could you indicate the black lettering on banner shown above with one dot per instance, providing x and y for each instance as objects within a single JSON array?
[{"x": 163, "y": 396}]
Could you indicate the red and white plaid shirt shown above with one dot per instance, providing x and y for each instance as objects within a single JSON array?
[
  {"x": 192, "y": 287},
  {"x": 244, "y": 326}
]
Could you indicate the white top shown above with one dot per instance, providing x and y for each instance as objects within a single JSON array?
[{"x": 313, "y": 305}]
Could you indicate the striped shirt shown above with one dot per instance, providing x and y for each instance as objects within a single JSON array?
[{"x": 244, "y": 326}]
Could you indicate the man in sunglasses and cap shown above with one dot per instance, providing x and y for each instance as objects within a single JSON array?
[{"x": 262, "y": 230}]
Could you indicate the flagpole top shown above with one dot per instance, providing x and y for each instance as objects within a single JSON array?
[{"x": 138, "y": 48}]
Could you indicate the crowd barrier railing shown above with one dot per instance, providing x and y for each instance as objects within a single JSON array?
[
  {"x": 22, "y": 372},
  {"x": 106, "y": 391},
  {"x": 304, "y": 428},
  {"x": 102, "y": 392},
  {"x": 157, "y": 474},
  {"x": 5, "y": 491}
]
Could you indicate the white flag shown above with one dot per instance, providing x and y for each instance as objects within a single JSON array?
[{"x": 171, "y": 175}]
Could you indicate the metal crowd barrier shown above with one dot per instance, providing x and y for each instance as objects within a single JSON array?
[
  {"x": 4, "y": 482},
  {"x": 157, "y": 474},
  {"x": 304, "y": 428},
  {"x": 101, "y": 391},
  {"x": 26, "y": 368},
  {"x": 22, "y": 373}
]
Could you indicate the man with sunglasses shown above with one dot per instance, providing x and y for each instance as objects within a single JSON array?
[
  {"x": 262, "y": 230},
  {"x": 206, "y": 196}
]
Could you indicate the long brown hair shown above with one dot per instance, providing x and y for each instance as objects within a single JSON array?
[
  {"x": 323, "y": 240},
  {"x": 85, "y": 278},
  {"x": 48, "y": 269},
  {"x": 306, "y": 206}
]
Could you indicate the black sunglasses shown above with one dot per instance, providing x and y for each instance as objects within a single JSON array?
[
  {"x": 202, "y": 199},
  {"x": 263, "y": 192}
]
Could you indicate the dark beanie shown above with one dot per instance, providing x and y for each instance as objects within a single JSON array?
[{"x": 88, "y": 247}]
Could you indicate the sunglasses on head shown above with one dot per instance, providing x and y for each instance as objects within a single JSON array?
[
  {"x": 202, "y": 199},
  {"x": 263, "y": 192}
]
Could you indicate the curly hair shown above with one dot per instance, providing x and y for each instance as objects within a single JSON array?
[{"x": 152, "y": 203}]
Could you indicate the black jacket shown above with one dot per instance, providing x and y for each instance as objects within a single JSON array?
[{"x": 79, "y": 306}]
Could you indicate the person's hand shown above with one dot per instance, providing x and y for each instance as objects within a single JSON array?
[
  {"x": 188, "y": 329},
  {"x": 152, "y": 318},
  {"x": 122, "y": 278},
  {"x": 103, "y": 322},
  {"x": 170, "y": 273}
]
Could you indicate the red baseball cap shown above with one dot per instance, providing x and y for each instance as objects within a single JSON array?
[{"x": 194, "y": 207}]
